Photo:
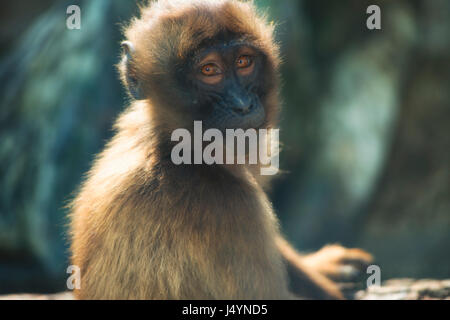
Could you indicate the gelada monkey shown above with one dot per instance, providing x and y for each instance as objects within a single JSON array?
[{"x": 145, "y": 228}]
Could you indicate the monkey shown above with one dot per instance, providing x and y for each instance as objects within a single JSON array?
[{"x": 142, "y": 227}]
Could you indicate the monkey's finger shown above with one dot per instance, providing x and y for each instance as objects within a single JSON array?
[{"x": 356, "y": 257}]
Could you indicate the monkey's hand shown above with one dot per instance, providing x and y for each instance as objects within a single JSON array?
[{"x": 338, "y": 263}]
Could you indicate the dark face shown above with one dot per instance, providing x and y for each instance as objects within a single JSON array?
[{"x": 225, "y": 83}]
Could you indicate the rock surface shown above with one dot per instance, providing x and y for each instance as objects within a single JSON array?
[
  {"x": 396, "y": 289},
  {"x": 26, "y": 296},
  {"x": 407, "y": 289}
]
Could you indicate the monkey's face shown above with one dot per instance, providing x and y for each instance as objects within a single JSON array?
[
  {"x": 213, "y": 61},
  {"x": 225, "y": 86}
]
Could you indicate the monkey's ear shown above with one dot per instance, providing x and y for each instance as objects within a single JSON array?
[{"x": 128, "y": 73}]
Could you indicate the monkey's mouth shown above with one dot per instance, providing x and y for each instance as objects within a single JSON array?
[
  {"x": 254, "y": 119},
  {"x": 223, "y": 119}
]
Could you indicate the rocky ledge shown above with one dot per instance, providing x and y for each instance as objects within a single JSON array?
[{"x": 396, "y": 289}]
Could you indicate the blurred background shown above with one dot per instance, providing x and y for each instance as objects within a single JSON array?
[{"x": 365, "y": 129}]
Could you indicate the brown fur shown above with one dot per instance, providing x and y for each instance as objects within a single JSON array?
[{"x": 144, "y": 228}]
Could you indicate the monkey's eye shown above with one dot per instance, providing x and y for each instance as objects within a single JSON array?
[
  {"x": 244, "y": 61},
  {"x": 210, "y": 69}
]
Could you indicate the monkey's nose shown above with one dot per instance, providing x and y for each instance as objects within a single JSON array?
[{"x": 242, "y": 108}]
